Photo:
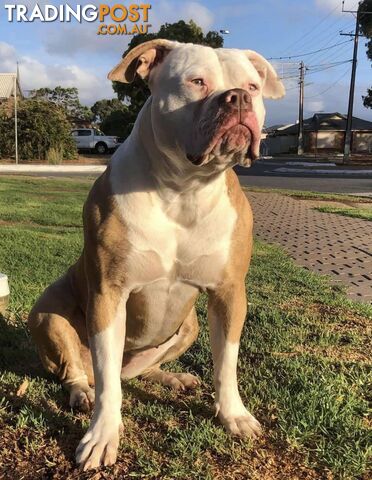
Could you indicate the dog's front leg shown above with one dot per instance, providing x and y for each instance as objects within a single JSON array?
[
  {"x": 227, "y": 308},
  {"x": 106, "y": 329}
]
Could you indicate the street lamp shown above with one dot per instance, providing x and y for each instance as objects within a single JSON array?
[{"x": 224, "y": 32}]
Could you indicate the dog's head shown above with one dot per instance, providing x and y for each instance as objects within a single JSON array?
[{"x": 207, "y": 104}]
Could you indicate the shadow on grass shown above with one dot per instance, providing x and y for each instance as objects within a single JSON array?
[
  {"x": 18, "y": 358},
  {"x": 46, "y": 399}
]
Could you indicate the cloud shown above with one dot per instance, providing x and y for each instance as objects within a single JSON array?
[
  {"x": 315, "y": 106},
  {"x": 169, "y": 11},
  {"x": 335, "y": 6},
  {"x": 35, "y": 74},
  {"x": 335, "y": 99},
  {"x": 72, "y": 39}
]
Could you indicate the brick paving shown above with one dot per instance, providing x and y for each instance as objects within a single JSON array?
[{"x": 325, "y": 242}]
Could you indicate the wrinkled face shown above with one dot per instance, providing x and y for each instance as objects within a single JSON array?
[{"x": 207, "y": 104}]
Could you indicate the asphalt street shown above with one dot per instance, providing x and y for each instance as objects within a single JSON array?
[
  {"x": 295, "y": 176},
  {"x": 267, "y": 173}
]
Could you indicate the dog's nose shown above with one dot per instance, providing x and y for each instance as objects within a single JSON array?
[{"x": 236, "y": 98}]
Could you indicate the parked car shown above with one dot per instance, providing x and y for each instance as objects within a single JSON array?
[{"x": 93, "y": 139}]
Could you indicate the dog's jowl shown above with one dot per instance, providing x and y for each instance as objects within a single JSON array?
[{"x": 167, "y": 220}]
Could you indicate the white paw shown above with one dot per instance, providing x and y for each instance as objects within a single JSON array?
[
  {"x": 100, "y": 444},
  {"x": 242, "y": 424}
]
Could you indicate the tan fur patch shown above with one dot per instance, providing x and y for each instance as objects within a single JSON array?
[
  {"x": 105, "y": 253},
  {"x": 228, "y": 302}
]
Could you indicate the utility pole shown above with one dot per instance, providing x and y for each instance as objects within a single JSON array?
[
  {"x": 15, "y": 118},
  {"x": 300, "y": 145},
  {"x": 348, "y": 131}
]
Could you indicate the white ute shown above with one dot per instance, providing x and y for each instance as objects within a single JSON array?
[{"x": 93, "y": 139}]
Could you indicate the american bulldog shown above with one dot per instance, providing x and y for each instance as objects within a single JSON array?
[{"x": 165, "y": 221}]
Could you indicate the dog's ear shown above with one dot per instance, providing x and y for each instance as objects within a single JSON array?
[
  {"x": 141, "y": 60},
  {"x": 272, "y": 85}
]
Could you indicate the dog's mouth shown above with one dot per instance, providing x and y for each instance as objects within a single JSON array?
[{"x": 237, "y": 139}]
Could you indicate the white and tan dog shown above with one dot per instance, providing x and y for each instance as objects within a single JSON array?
[{"x": 166, "y": 220}]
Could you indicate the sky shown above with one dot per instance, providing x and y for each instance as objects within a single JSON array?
[{"x": 73, "y": 55}]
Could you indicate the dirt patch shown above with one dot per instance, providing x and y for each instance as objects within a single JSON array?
[
  {"x": 334, "y": 353},
  {"x": 334, "y": 320},
  {"x": 27, "y": 455}
]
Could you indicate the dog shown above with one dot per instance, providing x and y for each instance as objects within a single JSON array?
[{"x": 165, "y": 221}]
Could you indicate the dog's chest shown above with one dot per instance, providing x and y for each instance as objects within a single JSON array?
[{"x": 183, "y": 241}]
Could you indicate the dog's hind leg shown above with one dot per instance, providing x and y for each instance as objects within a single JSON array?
[
  {"x": 57, "y": 326},
  {"x": 187, "y": 334}
]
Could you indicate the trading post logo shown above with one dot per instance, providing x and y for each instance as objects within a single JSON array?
[{"x": 115, "y": 19}]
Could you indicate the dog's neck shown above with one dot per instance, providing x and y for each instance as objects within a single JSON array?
[{"x": 170, "y": 169}]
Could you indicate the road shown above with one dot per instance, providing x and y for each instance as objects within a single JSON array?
[
  {"x": 269, "y": 174},
  {"x": 265, "y": 174}
]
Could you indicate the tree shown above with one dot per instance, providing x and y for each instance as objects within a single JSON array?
[
  {"x": 365, "y": 21},
  {"x": 137, "y": 92},
  {"x": 118, "y": 122},
  {"x": 67, "y": 98},
  {"x": 103, "y": 108},
  {"x": 43, "y": 130}
]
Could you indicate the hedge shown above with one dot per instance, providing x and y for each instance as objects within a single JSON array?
[{"x": 42, "y": 128}]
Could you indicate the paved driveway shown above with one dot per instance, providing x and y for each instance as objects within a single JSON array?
[{"x": 325, "y": 242}]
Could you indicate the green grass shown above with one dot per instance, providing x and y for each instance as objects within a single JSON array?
[
  {"x": 350, "y": 209},
  {"x": 303, "y": 369},
  {"x": 337, "y": 197},
  {"x": 364, "y": 213}
]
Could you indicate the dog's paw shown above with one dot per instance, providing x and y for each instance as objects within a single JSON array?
[
  {"x": 181, "y": 381},
  {"x": 177, "y": 381},
  {"x": 99, "y": 445},
  {"x": 82, "y": 398},
  {"x": 242, "y": 425}
]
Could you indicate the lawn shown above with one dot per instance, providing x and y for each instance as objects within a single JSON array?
[
  {"x": 348, "y": 205},
  {"x": 308, "y": 195},
  {"x": 303, "y": 369},
  {"x": 363, "y": 213}
]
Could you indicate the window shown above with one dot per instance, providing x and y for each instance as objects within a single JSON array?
[{"x": 84, "y": 133}]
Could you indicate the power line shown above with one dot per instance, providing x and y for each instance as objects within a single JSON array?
[
  {"x": 310, "y": 53},
  {"x": 316, "y": 69},
  {"x": 312, "y": 72},
  {"x": 327, "y": 41},
  {"x": 325, "y": 37},
  {"x": 334, "y": 55},
  {"x": 331, "y": 86},
  {"x": 312, "y": 29},
  {"x": 328, "y": 64}
]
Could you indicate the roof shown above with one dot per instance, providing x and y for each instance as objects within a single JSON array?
[
  {"x": 273, "y": 128},
  {"x": 326, "y": 121},
  {"x": 7, "y": 85}
]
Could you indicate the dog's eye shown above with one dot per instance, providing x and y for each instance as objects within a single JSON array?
[
  {"x": 252, "y": 88},
  {"x": 198, "y": 81}
]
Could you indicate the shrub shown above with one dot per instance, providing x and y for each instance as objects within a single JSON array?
[
  {"x": 54, "y": 156},
  {"x": 42, "y": 128}
]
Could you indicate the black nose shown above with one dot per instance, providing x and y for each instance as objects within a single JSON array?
[{"x": 236, "y": 98}]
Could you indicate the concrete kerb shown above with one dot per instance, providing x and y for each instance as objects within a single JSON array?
[{"x": 49, "y": 169}]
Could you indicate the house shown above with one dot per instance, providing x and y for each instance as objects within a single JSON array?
[
  {"x": 8, "y": 83},
  {"x": 324, "y": 133}
]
